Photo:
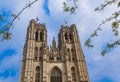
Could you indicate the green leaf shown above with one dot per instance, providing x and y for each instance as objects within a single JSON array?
[
  {"x": 94, "y": 34},
  {"x": 116, "y": 15},
  {"x": 108, "y": 45},
  {"x": 72, "y": 10},
  {"x": 6, "y": 36},
  {"x": 116, "y": 33},
  {"x": 103, "y": 52},
  {"x": 96, "y": 9},
  {"x": 64, "y": 3},
  {"x": 66, "y": 9},
  {"x": 13, "y": 15},
  {"x": 117, "y": 42},
  {"x": 115, "y": 25},
  {"x": 88, "y": 43},
  {"x": 118, "y": 4}
]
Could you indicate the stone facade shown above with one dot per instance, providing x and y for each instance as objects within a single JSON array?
[{"x": 62, "y": 63}]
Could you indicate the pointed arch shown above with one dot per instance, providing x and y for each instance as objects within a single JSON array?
[
  {"x": 73, "y": 74},
  {"x": 73, "y": 55},
  {"x": 41, "y": 36},
  {"x": 71, "y": 37},
  {"x": 35, "y": 53},
  {"x": 68, "y": 53},
  {"x": 56, "y": 75},
  {"x": 40, "y": 54},
  {"x": 37, "y": 74},
  {"x": 66, "y": 36}
]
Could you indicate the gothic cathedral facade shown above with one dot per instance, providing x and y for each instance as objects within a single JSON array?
[{"x": 62, "y": 63}]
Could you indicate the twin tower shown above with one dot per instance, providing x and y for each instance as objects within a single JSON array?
[{"x": 62, "y": 63}]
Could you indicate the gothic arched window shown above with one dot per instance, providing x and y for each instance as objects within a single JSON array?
[
  {"x": 40, "y": 54},
  {"x": 73, "y": 55},
  {"x": 66, "y": 36},
  {"x": 41, "y": 36},
  {"x": 71, "y": 37},
  {"x": 36, "y": 36},
  {"x": 68, "y": 53},
  {"x": 35, "y": 53},
  {"x": 73, "y": 74},
  {"x": 37, "y": 74},
  {"x": 56, "y": 75}
]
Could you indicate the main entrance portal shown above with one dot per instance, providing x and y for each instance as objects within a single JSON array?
[{"x": 56, "y": 75}]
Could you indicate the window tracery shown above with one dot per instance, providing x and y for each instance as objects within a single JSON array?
[{"x": 73, "y": 74}]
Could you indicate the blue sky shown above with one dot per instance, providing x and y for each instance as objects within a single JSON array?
[{"x": 101, "y": 69}]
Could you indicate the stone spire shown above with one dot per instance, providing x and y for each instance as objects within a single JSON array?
[{"x": 53, "y": 42}]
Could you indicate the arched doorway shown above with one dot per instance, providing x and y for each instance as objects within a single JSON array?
[{"x": 56, "y": 75}]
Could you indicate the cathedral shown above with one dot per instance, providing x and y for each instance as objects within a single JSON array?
[{"x": 64, "y": 62}]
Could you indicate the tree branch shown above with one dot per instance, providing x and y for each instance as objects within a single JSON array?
[
  {"x": 4, "y": 32},
  {"x": 19, "y": 13}
]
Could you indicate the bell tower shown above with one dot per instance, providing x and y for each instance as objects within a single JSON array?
[
  {"x": 69, "y": 44},
  {"x": 36, "y": 43}
]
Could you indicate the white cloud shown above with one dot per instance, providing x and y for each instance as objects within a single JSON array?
[
  {"x": 107, "y": 66},
  {"x": 86, "y": 20},
  {"x": 55, "y": 7},
  {"x": 10, "y": 62}
]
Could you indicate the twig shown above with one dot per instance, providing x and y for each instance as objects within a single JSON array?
[{"x": 11, "y": 23}]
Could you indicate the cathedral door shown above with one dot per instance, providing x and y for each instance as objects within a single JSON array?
[{"x": 56, "y": 75}]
